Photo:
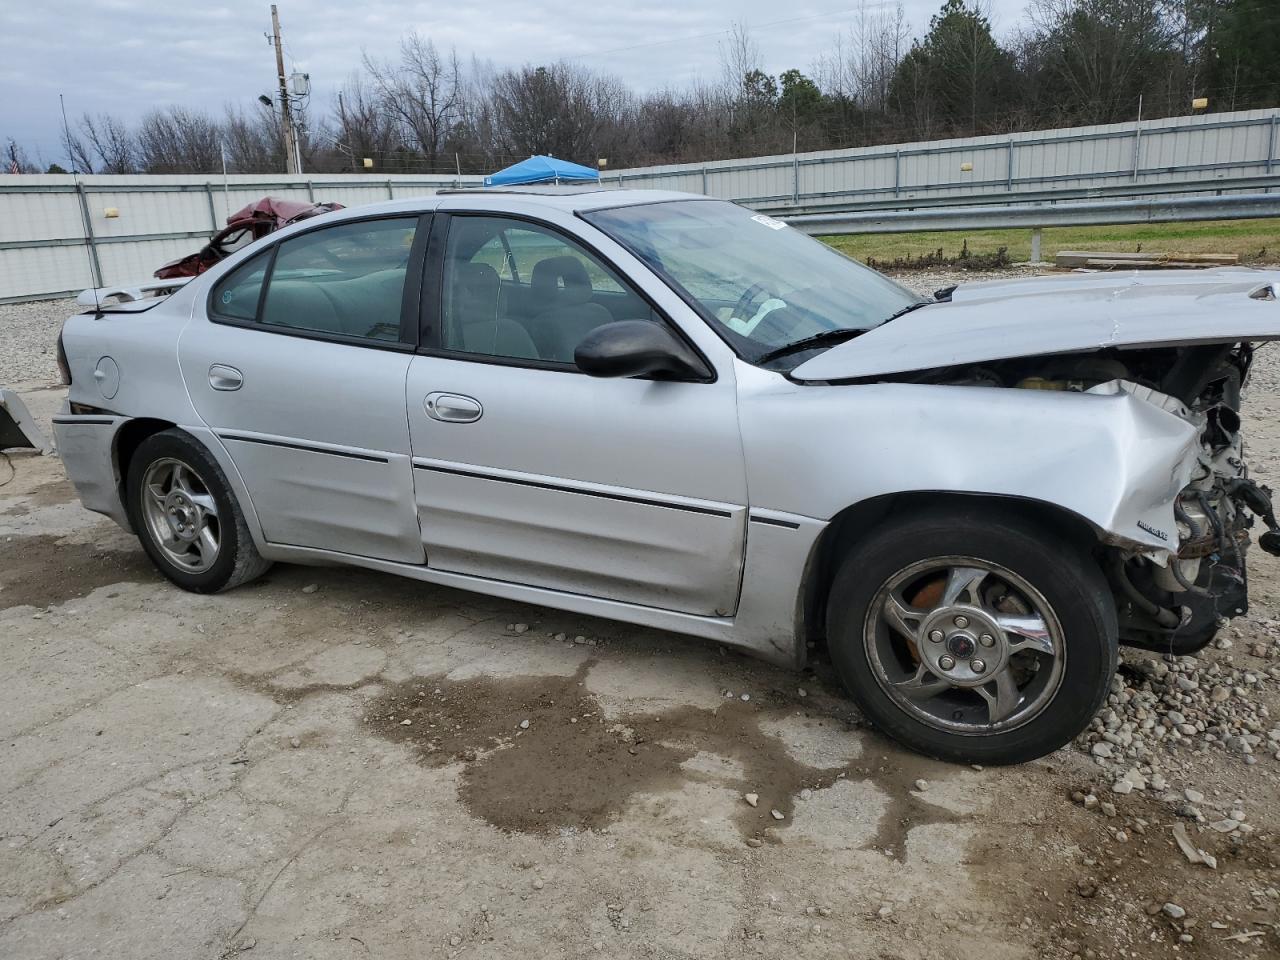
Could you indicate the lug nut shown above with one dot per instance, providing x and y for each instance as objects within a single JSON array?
[
  {"x": 946, "y": 663},
  {"x": 961, "y": 622},
  {"x": 987, "y": 640},
  {"x": 977, "y": 666},
  {"x": 936, "y": 636}
]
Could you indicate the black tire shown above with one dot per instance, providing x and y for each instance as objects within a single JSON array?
[
  {"x": 236, "y": 560},
  {"x": 1066, "y": 577}
]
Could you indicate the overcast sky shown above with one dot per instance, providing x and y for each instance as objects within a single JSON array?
[{"x": 126, "y": 57}]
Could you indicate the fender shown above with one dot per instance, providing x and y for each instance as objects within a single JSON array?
[{"x": 1114, "y": 459}]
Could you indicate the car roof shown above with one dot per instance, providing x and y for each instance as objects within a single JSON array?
[{"x": 567, "y": 199}]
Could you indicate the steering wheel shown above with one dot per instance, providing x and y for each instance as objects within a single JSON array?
[
  {"x": 773, "y": 328},
  {"x": 746, "y": 300}
]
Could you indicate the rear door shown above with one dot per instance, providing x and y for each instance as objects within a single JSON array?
[
  {"x": 531, "y": 472},
  {"x": 299, "y": 364}
]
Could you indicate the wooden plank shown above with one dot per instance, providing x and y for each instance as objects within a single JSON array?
[{"x": 1081, "y": 258}]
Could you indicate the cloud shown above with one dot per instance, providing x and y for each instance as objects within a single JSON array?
[{"x": 127, "y": 57}]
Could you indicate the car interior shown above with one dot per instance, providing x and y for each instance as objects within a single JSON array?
[{"x": 515, "y": 290}]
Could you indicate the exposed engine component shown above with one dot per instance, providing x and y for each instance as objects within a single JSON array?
[{"x": 1172, "y": 601}]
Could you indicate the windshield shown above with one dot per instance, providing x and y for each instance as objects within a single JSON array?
[{"x": 762, "y": 284}]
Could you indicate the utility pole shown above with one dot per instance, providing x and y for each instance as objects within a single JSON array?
[{"x": 286, "y": 113}]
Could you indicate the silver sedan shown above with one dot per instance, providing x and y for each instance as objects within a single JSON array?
[{"x": 669, "y": 410}]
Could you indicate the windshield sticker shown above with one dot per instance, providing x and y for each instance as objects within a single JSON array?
[{"x": 769, "y": 222}]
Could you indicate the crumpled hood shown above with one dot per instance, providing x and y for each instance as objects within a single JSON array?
[{"x": 1066, "y": 313}]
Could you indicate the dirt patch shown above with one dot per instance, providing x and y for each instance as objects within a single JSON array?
[
  {"x": 44, "y": 570},
  {"x": 541, "y": 757},
  {"x": 52, "y": 494},
  {"x": 1105, "y": 897}
]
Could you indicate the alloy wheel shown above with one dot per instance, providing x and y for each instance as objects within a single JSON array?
[
  {"x": 181, "y": 515},
  {"x": 964, "y": 645}
]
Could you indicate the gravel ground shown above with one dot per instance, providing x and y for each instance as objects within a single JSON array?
[
  {"x": 28, "y": 334},
  {"x": 332, "y": 763}
]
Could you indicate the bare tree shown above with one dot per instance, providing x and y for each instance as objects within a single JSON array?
[
  {"x": 421, "y": 92},
  {"x": 177, "y": 140},
  {"x": 112, "y": 143},
  {"x": 362, "y": 127}
]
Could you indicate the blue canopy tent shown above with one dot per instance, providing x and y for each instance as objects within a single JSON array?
[{"x": 542, "y": 169}]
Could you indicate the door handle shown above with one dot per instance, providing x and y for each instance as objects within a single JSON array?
[
  {"x": 223, "y": 377},
  {"x": 452, "y": 408}
]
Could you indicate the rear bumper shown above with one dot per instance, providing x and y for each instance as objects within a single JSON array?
[{"x": 86, "y": 444}]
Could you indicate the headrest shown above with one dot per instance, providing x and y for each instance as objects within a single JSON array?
[
  {"x": 478, "y": 281},
  {"x": 560, "y": 282}
]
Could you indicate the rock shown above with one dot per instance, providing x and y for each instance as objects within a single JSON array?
[
  {"x": 524, "y": 724},
  {"x": 1237, "y": 814},
  {"x": 806, "y": 794},
  {"x": 406, "y": 723},
  {"x": 1090, "y": 801},
  {"x": 295, "y": 742},
  {"x": 538, "y": 883},
  {"x": 311, "y": 588},
  {"x": 1101, "y": 749},
  {"x": 1193, "y": 796},
  {"x": 1220, "y": 694},
  {"x": 753, "y": 799},
  {"x": 802, "y": 692},
  {"x": 754, "y": 842},
  {"x": 1173, "y": 910},
  {"x": 777, "y": 814},
  {"x": 1190, "y": 811},
  {"x": 1122, "y": 787},
  {"x": 521, "y": 628},
  {"x": 455, "y": 941},
  {"x": 1225, "y": 826},
  {"x": 885, "y": 912},
  {"x": 922, "y": 785},
  {"x": 1108, "y": 808},
  {"x": 746, "y": 697}
]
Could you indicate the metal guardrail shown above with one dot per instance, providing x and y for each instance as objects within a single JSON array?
[
  {"x": 1217, "y": 186},
  {"x": 1171, "y": 210}
]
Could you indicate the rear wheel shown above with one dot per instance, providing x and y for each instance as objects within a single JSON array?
[
  {"x": 973, "y": 636},
  {"x": 187, "y": 517}
]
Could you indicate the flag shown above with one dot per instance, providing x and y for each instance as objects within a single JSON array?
[{"x": 13, "y": 166}]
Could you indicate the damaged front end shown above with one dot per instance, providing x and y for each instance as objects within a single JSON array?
[{"x": 1172, "y": 600}]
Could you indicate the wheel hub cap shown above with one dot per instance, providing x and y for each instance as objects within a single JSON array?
[
  {"x": 987, "y": 656},
  {"x": 181, "y": 515}
]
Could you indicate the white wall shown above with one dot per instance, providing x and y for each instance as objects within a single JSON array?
[{"x": 43, "y": 247}]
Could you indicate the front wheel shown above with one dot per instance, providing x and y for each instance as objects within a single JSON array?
[{"x": 973, "y": 636}]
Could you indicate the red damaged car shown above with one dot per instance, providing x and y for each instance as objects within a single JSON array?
[{"x": 243, "y": 227}]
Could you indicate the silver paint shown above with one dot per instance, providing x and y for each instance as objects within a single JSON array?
[{"x": 636, "y": 500}]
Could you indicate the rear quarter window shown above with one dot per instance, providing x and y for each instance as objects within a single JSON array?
[{"x": 236, "y": 295}]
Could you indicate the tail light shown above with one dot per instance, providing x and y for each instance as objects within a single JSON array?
[{"x": 64, "y": 368}]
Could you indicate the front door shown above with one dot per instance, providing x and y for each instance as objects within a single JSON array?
[
  {"x": 299, "y": 368},
  {"x": 528, "y": 471}
]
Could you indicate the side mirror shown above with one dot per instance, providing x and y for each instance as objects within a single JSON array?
[{"x": 638, "y": 348}]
